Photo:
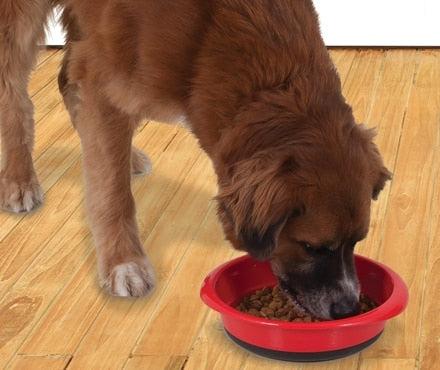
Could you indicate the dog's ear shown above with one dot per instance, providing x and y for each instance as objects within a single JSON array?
[
  {"x": 382, "y": 176},
  {"x": 254, "y": 205},
  {"x": 379, "y": 173}
]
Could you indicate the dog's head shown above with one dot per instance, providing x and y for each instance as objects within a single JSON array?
[{"x": 304, "y": 206}]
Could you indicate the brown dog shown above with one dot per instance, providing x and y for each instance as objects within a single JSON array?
[{"x": 254, "y": 82}]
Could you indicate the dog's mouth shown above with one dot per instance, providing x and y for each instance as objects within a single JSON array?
[{"x": 293, "y": 297}]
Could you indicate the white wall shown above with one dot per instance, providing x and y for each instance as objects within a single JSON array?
[
  {"x": 380, "y": 22},
  {"x": 54, "y": 33},
  {"x": 364, "y": 23}
]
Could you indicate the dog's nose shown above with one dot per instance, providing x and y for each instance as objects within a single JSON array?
[{"x": 344, "y": 308}]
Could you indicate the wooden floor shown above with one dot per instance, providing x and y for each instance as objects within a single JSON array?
[{"x": 53, "y": 315}]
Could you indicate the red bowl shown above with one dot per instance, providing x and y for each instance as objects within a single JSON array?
[{"x": 224, "y": 287}]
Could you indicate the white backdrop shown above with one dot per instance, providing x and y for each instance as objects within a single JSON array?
[
  {"x": 363, "y": 23},
  {"x": 380, "y": 22},
  {"x": 54, "y": 33}
]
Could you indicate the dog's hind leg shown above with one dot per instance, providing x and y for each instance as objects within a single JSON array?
[
  {"x": 22, "y": 25},
  {"x": 140, "y": 162}
]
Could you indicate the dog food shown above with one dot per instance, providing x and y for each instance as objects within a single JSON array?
[{"x": 272, "y": 303}]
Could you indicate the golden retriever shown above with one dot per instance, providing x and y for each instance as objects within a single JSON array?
[{"x": 254, "y": 83}]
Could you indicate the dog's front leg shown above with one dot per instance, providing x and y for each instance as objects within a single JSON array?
[
  {"x": 21, "y": 24},
  {"x": 106, "y": 135}
]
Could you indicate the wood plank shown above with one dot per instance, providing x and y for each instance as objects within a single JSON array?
[
  {"x": 46, "y": 99},
  {"x": 254, "y": 362},
  {"x": 43, "y": 54},
  {"x": 180, "y": 314},
  {"x": 213, "y": 350},
  {"x": 408, "y": 220},
  {"x": 429, "y": 321},
  {"x": 350, "y": 362},
  {"x": 156, "y": 363},
  {"x": 40, "y": 363},
  {"x": 173, "y": 152},
  {"x": 387, "y": 115},
  {"x": 389, "y": 364},
  {"x": 32, "y": 274},
  {"x": 30, "y": 236},
  {"x": 52, "y": 132},
  {"x": 47, "y": 71},
  {"x": 71, "y": 314},
  {"x": 343, "y": 59},
  {"x": 361, "y": 82},
  {"x": 154, "y": 138}
]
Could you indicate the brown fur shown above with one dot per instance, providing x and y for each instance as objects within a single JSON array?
[{"x": 254, "y": 82}]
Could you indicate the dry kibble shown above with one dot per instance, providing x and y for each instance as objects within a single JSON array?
[
  {"x": 256, "y": 304},
  {"x": 272, "y": 303},
  {"x": 254, "y": 312}
]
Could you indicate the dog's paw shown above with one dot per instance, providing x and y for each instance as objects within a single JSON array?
[
  {"x": 20, "y": 197},
  {"x": 140, "y": 163},
  {"x": 130, "y": 279}
]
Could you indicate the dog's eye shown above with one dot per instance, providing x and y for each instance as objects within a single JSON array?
[
  {"x": 324, "y": 250},
  {"x": 305, "y": 245}
]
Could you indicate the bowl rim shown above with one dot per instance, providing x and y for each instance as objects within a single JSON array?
[{"x": 394, "y": 305}]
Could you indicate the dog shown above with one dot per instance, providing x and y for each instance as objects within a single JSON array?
[{"x": 254, "y": 83}]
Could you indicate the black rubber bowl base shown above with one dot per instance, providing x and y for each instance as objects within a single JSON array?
[{"x": 304, "y": 356}]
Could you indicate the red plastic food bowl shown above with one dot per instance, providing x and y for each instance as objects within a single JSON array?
[{"x": 224, "y": 287}]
